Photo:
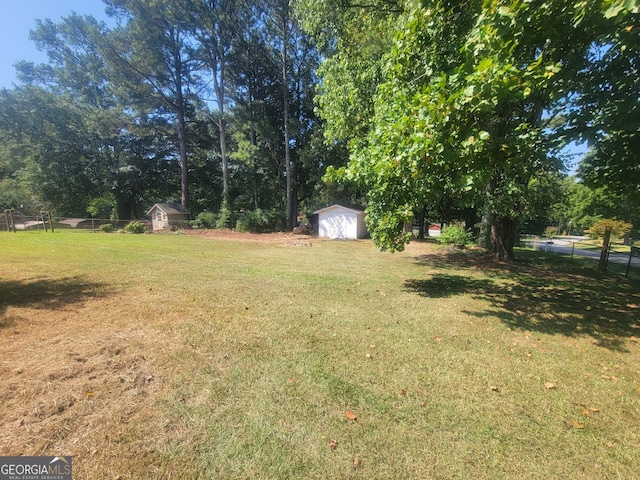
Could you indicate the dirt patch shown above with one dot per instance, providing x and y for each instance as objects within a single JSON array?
[{"x": 277, "y": 237}]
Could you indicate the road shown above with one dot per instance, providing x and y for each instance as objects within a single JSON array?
[{"x": 565, "y": 247}]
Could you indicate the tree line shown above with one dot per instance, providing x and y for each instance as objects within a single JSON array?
[
  {"x": 208, "y": 103},
  {"x": 432, "y": 110}
]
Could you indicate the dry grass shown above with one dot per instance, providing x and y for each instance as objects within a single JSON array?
[{"x": 175, "y": 356}]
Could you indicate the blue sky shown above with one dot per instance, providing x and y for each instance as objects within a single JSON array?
[{"x": 19, "y": 17}]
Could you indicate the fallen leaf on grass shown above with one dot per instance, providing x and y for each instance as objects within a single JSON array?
[
  {"x": 549, "y": 385},
  {"x": 494, "y": 388},
  {"x": 594, "y": 409},
  {"x": 577, "y": 425},
  {"x": 356, "y": 462},
  {"x": 610, "y": 444},
  {"x": 586, "y": 413},
  {"x": 438, "y": 339},
  {"x": 350, "y": 415},
  {"x": 333, "y": 444},
  {"x": 88, "y": 394}
]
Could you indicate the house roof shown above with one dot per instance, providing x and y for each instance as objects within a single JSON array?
[
  {"x": 170, "y": 208},
  {"x": 335, "y": 206}
]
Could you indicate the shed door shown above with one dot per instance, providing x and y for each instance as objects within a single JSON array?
[{"x": 337, "y": 226}]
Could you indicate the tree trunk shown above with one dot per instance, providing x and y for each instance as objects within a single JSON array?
[
  {"x": 287, "y": 149},
  {"x": 421, "y": 223},
  {"x": 182, "y": 135},
  {"x": 504, "y": 234}
]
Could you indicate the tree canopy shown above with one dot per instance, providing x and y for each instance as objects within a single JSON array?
[
  {"x": 470, "y": 95},
  {"x": 436, "y": 110}
]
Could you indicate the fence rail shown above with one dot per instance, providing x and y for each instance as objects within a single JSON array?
[
  {"x": 620, "y": 258},
  {"x": 18, "y": 223}
]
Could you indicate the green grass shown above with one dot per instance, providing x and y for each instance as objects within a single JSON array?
[{"x": 442, "y": 356}]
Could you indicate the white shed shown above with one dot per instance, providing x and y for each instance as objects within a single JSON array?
[
  {"x": 163, "y": 215},
  {"x": 340, "y": 222}
]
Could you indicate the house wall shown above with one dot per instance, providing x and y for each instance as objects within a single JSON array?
[{"x": 161, "y": 220}]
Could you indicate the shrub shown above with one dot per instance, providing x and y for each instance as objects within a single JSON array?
[
  {"x": 205, "y": 220},
  {"x": 255, "y": 221},
  {"x": 619, "y": 228},
  {"x": 135, "y": 227},
  {"x": 226, "y": 218},
  {"x": 259, "y": 221},
  {"x": 550, "y": 232},
  {"x": 106, "y": 228},
  {"x": 455, "y": 235}
]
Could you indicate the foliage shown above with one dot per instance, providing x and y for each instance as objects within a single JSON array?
[
  {"x": 106, "y": 228},
  {"x": 618, "y": 228},
  {"x": 258, "y": 221},
  {"x": 205, "y": 220},
  {"x": 226, "y": 217},
  {"x": 102, "y": 207},
  {"x": 135, "y": 227},
  {"x": 120, "y": 104},
  {"x": 550, "y": 232},
  {"x": 608, "y": 117},
  {"x": 470, "y": 98},
  {"x": 455, "y": 235}
]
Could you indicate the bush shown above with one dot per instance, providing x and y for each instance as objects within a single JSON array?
[
  {"x": 550, "y": 232},
  {"x": 619, "y": 228},
  {"x": 205, "y": 220},
  {"x": 259, "y": 221},
  {"x": 226, "y": 218},
  {"x": 455, "y": 235},
  {"x": 106, "y": 228},
  {"x": 136, "y": 227}
]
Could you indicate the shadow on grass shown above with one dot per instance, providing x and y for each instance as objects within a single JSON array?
[
  {"x": 47, "y": 294},
  {"x": 536, "y": 294}
]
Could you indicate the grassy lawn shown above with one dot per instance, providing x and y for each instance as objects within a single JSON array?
[{"x": 179, "y": 356}]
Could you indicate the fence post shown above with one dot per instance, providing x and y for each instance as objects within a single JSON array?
[
  {"x": 633, "y": 252},
  {"x": 604, "y": 253}
]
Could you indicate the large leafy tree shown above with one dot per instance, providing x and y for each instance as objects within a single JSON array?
[
  {"x": 470, "y": 95},
  {"x": 608, "y": 116},
  {"x": 121, "y": 159}
]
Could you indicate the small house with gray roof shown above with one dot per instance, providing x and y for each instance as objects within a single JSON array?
[{"x": 166, "y": 215}]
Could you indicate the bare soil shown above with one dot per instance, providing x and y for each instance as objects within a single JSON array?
[{"x": 277, "y": 237}]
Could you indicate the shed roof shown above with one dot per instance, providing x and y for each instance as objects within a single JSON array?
[
  {"x": 333, "y": 207},
  {"x": 170, "y": 208}
]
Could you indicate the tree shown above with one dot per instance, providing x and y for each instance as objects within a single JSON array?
[
  {"x": 607, "y": 114},
  {"x": 471, "y": 92},
  {"x": 153, "y": 62},
  {"x": 216, "y": 26},
  {"x": 122, "y": 158}
]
